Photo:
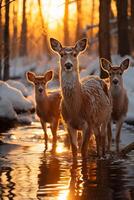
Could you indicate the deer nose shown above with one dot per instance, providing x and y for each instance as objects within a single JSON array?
[
  {"x": 40, "y": 90},
  {"x": 115, "y": 81},
  {"x": 68, "y": 65}
]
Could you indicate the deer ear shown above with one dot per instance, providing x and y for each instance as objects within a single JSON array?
[
  {"x": 55, "y": 45},
  {"x": 105, "y": 64},
  {"x": 125, "y": 64},
  {"x": 48, "y": 75},
  {"x": 81, "y": 45},
  {"x": 30, "y": 76}
]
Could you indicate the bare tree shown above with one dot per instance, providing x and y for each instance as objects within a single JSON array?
[
  {"x": 132, "y": 27},
  {"x": 23, "y": 37},
  {"x": 79, "y": 20},
  {"x": 92, "y": 18},
  {"x": 123, "y": 41},
  {"x": 46, "y": 48},
  {"x": 66, "y": 19},
  {"x": 6, "y": 42},
  {"x": 0, "y": 41},
  {"x": 104, "y": 32},
  {"x": 14, "y": 36}
]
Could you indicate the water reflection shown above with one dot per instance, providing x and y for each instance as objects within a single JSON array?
[
  {"x": 26, "y": 172},
  {"x": 7, "y": 184}
]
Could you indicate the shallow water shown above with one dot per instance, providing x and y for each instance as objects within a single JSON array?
[{"x": 27, "y": 172}]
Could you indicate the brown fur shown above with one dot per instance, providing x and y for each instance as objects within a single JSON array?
[
  {"x": 118, "y": 94},
  {"x": 47, "y": 104},
  {"x": 85, "y": 105}
]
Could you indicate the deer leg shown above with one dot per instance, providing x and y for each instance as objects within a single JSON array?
[
  {"x": 109, "y": 135},
  {"x": 73, "y": 140},
  {"x": 98, "y": 140},
  {"x": 118, "y": 131},
  {"x": 85, "y": 142},
  {"x": 103, "y": 137},
  {"x": 54, "y": 127},
  {"x": 45, "y": 133}
]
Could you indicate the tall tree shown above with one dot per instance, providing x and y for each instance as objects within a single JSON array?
[
  {"x": 104, "y": 32},
  {"x": 122, "y": 21},
  {"x": 14, "y": 36},
  {"x": 79, "y": 19},
  {"x": 46, "y": 48},
  {"x": 0, "y": 40},
  {"x": 92, "y": 18},
  {"x": 66, "y": 19},
  {"x": 6, "y": 42},
  {"x": 132, "y": 27},
  {"x": 23, "y": 37}
]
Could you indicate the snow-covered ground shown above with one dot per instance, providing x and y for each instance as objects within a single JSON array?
[
  {"x": 88, "y": 65},
  {"x": 13, "y": 93},
  {"x": 13, "y": 102}
]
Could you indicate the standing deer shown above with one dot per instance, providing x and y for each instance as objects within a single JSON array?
[
  {"x": 47, "y": 104},
  {"x": 118, "y": 94},
  {"x": 85, "y": 105}
]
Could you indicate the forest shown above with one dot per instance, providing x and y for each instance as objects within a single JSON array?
[
  {"x": 26, "y": 26},
  {"x": 66, "y": 99}
]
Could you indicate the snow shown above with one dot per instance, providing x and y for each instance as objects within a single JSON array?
[
  {"x": 13, "y": 102},
  {"x": 6, "y": 109},
  {"x": 13, "y": 93},
  {"x": 19, "y": 102},
  {"x": 18, "y": 85}
]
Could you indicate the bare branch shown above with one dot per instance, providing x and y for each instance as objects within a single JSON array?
[{"x": 6, "y": 4}]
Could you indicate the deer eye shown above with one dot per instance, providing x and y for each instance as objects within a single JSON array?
[
  {"x": 74, "y": 54},
  {"x": 120, "y": 73},
  {"x": 110, "y": 74}
]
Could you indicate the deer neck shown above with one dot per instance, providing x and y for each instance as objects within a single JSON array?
[
  {"x": 117, "y": 91},
  {"x": 42, "y": 100},
  {"x": 71, "y": 90}
]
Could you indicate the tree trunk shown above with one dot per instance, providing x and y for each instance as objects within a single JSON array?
[
  {"x": 23, "y": 37},
  {"x": 46, "y": 48},
  {"x": 79, "y": 20},
  {"x": 0, "y": 41},
  {"x": 132, "y": 27},
  {"x": 123, "y": 42},
  {"x": 104, "y": 33},
  {"x": 92, "y": 19},
  {"x": 14, "y": 36},
  {"x": 6, "y": 42},
  {"x": 66, "y": 19}
]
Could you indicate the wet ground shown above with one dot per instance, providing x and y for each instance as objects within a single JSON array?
[{"x": 28, "y": 173}]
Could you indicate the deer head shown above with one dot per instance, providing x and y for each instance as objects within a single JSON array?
[
  {"x": 68, "y": 54},
  {"x": 115, "y": 72},
  {"x": 39, "y": 81}
]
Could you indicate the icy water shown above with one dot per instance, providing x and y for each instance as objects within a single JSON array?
[{"x": 27, "y": 173}]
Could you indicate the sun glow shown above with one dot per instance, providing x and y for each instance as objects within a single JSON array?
[
  {"x": 63, "y": 195},
  {"x": 60, "y": 148},
  {"x": 54, "y": 12}
]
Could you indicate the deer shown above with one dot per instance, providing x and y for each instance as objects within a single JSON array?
[
  {"x": 85, "y": 104},
  {"x": 47, "y": 104},
  {"x": 118, "y": 95}
]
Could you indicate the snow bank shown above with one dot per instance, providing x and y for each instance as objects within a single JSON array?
[
  {"x": 18, "y": 85},
  {"x": 6, "y": 109},
  {"x": 18, "y": 101},
  {"x": 13, "y": 102}
]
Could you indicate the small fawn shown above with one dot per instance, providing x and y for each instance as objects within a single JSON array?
[
  {"x": 85, "y": 104},
  {"x": 118, "y": 94},
  {"x": 47, "y": 104}
]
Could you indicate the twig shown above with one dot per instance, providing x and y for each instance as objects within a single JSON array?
[
  {"x": 127, "y": 149},
  {"x": 7, "y": 4}
]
